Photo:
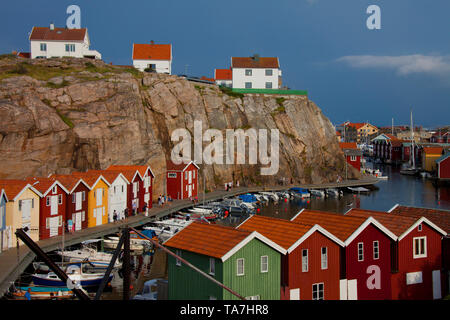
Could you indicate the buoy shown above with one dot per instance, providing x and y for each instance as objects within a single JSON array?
[
  {"x": 285, "y": 200},
  {"x": 257, "y": 210},
  {"x": 307, "y": 201}
]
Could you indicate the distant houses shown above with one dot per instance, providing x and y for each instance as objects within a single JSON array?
[
  {"x": 182, "y": 180},
  {"x": 223, "y": 77},
  {"x": 53, "y": 42},
  {"x": 352, "y": 154},
  {"x": 256, "y": 72},
  {"x": 153, "y": 57}
]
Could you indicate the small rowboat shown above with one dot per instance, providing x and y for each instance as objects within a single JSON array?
[{"x": 43, "y": 293}]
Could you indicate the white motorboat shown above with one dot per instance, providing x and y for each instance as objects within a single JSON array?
[
  {"x": 135, "y": 246},
  {"x": 200, "y": 210},
  {"x": 425, "y": 174},
  {"x": 167, "y": 228},
  {"x": 271, "y": 195},
  {"x": 317, "y": 193},
  {"x": 332, "y": 192},
  {"x": 150, "y": 290},
  {"x": 358, "y": 189},
  {"x": 75, "y": 273},
  {"x": 88, "y": 254}
]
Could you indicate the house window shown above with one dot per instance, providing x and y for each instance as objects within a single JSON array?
[
  {"x": 212, "y": 266},
  {"x": 171, "y": 175},
  {"x": 20, "y": 205},
  {"x": 47, "y": 201},
  {"x": 360, "y": 251},
  {"x": 185, "y": 175},
  {"x": 178, "y": 261},
  {"x": 60, "y": 199},
  {"x": 248, "y": 72},
  {"x": 269, "y": 72},
  {"x": 248, "y": 85},
  {"x": 43, "y": 47},
  {"x": 419, "y": 227},
  {"x": 352, "y": 158},
  {"x": 317, "y": 291},
  {"x": 73, "y": 197},
  {"x": 305, "y": 260},
  {"x": 324, "y": 258},
  {"x": 264, "y": 264},
  {"x": 70, "y": 48},
  {"x": 240, "y": 267},
  {"x": 54, "y": 189},
  {"x": 419, "y": 247},
  {"x": 268, "y": 85},
  {"x": 84, "y": 196},
  {"x": 376, "y": 250}
]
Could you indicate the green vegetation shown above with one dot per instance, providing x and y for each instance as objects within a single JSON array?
[
  {"x": 7, "y": 56},
  {"x": 280, "y": 101},
  {"x": 63, "y": 84},
  {"x": 231, "y": 93},
  {"x": 65, "y": 119}
]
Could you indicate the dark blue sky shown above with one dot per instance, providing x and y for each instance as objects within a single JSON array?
[{"x": 324, "y": 46}]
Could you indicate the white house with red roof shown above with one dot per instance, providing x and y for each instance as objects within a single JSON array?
[
  {"x": 52, "y": 42},
  {"x": 256, "y": 72},
  {"x": 223, "y": 77},
  {"x": 154, "y": 57}
]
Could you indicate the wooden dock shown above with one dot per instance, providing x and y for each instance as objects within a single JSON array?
[{"x": 13, "y": 262}]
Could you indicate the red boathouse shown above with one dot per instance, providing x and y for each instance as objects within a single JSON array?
[{"x": 182, "y": 180}]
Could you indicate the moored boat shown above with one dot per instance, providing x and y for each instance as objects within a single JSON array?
[{"x": 42, "y": 293}]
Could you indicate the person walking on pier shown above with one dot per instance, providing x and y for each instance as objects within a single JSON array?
[{"x": 115, "y": 216}]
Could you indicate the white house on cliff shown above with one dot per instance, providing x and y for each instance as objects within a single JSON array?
[
  {"x": 54, "y": 42},
  {"x": 256, "y": 72},
  {"x": 155, "y": 57}
]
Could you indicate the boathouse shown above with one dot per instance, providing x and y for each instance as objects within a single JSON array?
[
  {"x": 353, "y": 155},
  {"x": 247, "y": 262},
  {"x": 366, "y": 262},
  {"x": 3, "y": 201},
  {"x": 310, "y": 270},
  {"x": 152, "y": 57},
  {"x": 22, "y": 210},
  {"x": 52, "y": 210},
  {"x": 140, "y": 190},
  {"x": 182, "y": 180},
  {"x": 97, "y": 213},
  {"x": 443, "y": 167},
  {"x": 77, "y": 200},
  {"x": 430, "y": 155},
  {"x": 416, "y": 256}
]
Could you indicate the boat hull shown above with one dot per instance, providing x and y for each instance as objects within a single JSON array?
[{"x": 42, "y": 281}]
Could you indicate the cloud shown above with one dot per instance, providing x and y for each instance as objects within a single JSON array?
[{"x": 402, "y": 65}]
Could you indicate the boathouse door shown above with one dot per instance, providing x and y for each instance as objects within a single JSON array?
[
  {"x": 26, "y": 213},
  {"x": 437, "y": 284},
  {"x": 294, "y": 294},
  {"x": 77, "y": 220},
  {"x": 53, "y": 226},
  {"x": 98, "y": 215}
]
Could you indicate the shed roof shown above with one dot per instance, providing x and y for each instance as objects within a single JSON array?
[
  {"x": 58, "y": 34},
  {"x": 438, "y": 216},
  {"x": 14, "y": 187},
  {"x": 251, "y": 62},
  {"x": 152, "y": 51},
  {"x": 223, "y": 74}
]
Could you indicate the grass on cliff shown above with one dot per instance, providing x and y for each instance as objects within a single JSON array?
[
  {"x": 35, "y": 71},
  {"x": 230, "y": 92},
  {"x": 65, "y": 119}
]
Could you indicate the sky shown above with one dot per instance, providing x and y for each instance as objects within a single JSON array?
[{"x": 324, "y": 46}]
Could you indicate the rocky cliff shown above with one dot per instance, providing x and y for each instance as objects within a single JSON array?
[{"x": 60, "y": 115}]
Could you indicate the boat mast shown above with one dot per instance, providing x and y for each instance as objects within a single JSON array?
[{"x": 412, "y": 143}]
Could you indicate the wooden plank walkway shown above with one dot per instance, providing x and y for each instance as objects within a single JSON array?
[{"x": 13, "y": 262}]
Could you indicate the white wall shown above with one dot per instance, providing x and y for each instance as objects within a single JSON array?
[
  {"x": 117, "y": 200},
  {"x": 258, "y": 78},
  {"x": 162, "y": 66},
  {"x": 228, "y": 83},
  {"x": 58, "y": 49}
]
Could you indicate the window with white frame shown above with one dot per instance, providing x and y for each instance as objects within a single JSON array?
[
  {"x": 268, "y": 85},
  {"x": 317, "y": 291},
  {"x": 60, "y": 200},
  {"x": 419, "y": 227},
  {"x": 248, "y": 72},
  {"x": 47, "y": 201},
  {"x": 248, "y": 85},
  {"x": 54, "y": 189},
  {"x": 324, "y": 258},
  {"x": 269, "y": 72},
  {"x": 212, "y": 266},
  {"x": 352, "y": 158},
  {"x": 376, "y": 250},
  {"x": 70, "y": 47},
  {"x": 240, "y": 267},
  {"x": 43, "y": 47},
  {"x": 264, "y": 264},
  {"x": 360, "y": 251},
  {"x": 305, "y": 260},
  {"x": 419, "y": 247}
]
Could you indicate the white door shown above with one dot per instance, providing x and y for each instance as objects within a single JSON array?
[
  {"x": 294, "y": 294},
  {"x": 190, "y": 191},
  {"x": 77, "y": 221},
  {"x": 54, "y": 205},
  {"x": 78, "y": 199},
  {"x": 26, "y": 214},
  {"x": 437, "y": 294},
  {"x": 135, "y": 186},
  {"x": 98, "y": 215},
  {"x": 190, "y": 177},
  {"x": 352, "y": 290},
  {"x": 53, "y": 225},
  {"x": 343, "y": 289},
  {"x": 99, "y": 196}
]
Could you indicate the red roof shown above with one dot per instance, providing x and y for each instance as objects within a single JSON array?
[
  {"x": 178, "y": 167},
  {"x": 58, "y": 34},
  {"x": 251, "y": 62},
  {"x": 348, "y": 145},
  {"x": 207, "y": 79},
  {"x": 207, "y": 239},
  {"x": 152, "y": 51},
  {"x": 67, "y": 180},
  {"x": 141, "y": 169},
  {"x": 441, "y": 218},
  {"x": 42, "y": 184},
  {"x": 223, "y": 74},
  {"x": 432, "y": 150},
  {"x": 24, "y": 55}
]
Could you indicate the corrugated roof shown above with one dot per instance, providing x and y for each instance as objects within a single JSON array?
[
  {"x": 207, "y": 239},
  {"x": 251, "y": 62},
  {"x": 283, "y": 232},
  {"x": 58, "y": 34},
  {"x": 152, "y": 51},
  {"x": 339, "y": 225},
  {"x": 12, "y": 187},
  {"x": 439, "y": 217}
]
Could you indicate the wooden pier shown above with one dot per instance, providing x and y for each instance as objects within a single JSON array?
[{"x": 13, "y": 262}]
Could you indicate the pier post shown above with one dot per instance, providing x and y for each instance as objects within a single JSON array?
[{"x": 126, "y": 263}]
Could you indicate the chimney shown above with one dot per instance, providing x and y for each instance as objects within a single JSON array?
[
  {"x": 256, "y": 57},
  {"x": 52, "y": 26}
]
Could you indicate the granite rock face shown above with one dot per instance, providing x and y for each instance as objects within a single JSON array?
[{"x": 61, "y": 115}]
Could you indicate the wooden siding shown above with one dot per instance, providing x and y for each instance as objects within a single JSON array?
[
  {"x": 304, "y": 280},
  {"x": 45, "y": 212},
  {"x": 407, "y": 263},
  {"x": 70, "y": 210},
  {"x": 253, "y": 282},
  {"x": 359, "y": 269}
]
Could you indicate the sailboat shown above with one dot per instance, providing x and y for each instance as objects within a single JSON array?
[{"x": 411, "y": 170}]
